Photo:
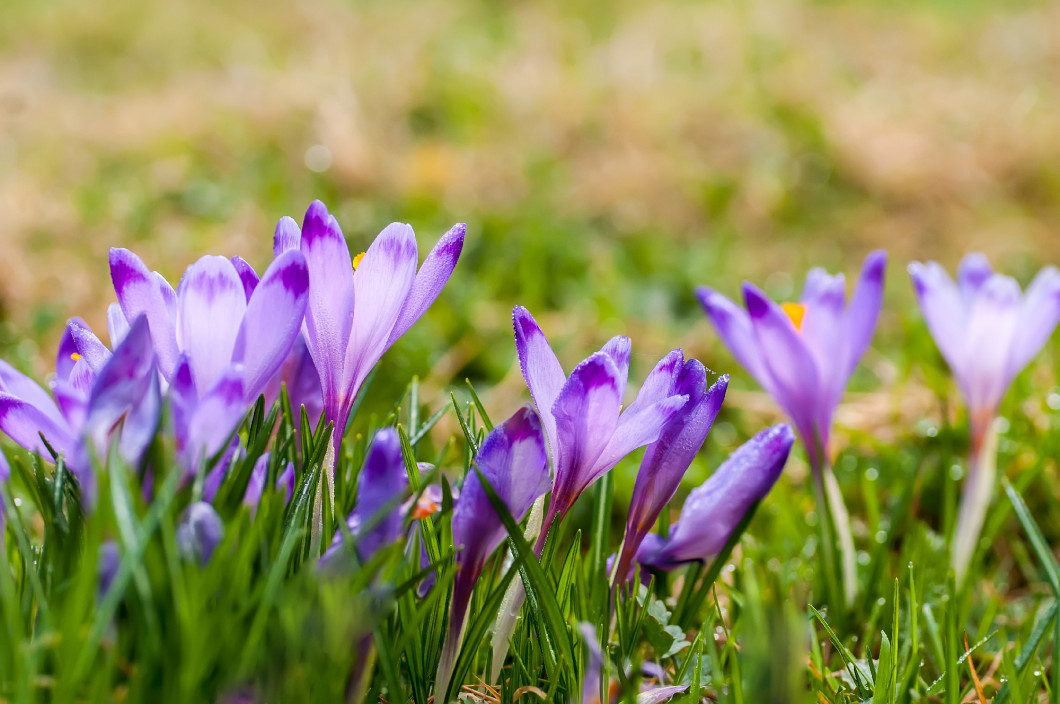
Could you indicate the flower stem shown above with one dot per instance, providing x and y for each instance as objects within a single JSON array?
[
  {"x": 975, "y": 497},
  {"x": 841, "y": 521}
]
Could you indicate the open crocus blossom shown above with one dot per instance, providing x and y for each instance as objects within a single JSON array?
[
  {"x": 219, "y": 338},
  {"x": 803, "y": 354},
  {"x": 377, "y": 519},
  {"x": 988, "y": 331},
  {"x": 356, "y": 313},
  {"x": 714, "y": 510},
  {"x": 513, "y": 460},
  {"x": 588, "y": 432},
  {"x": 96, "y": 394},
  {"x": 667, "y": 459}
]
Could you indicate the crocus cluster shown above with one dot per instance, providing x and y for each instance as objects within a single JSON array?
[{"x": 316, "y": 321}]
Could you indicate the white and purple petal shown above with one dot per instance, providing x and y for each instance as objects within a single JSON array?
[
  {"x": 210, "y": 309},
  {"x": 272, "y": 321},
  {"x": 541, "y": 370},
  {"x": 434, "y": 273},
  {"x": 141, "y": 292}
]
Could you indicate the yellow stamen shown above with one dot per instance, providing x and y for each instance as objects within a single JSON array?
[
  {"x": 795, "y": 311},
  {"x": 75, "y": 356},
  {"x": 357, "y": 260}
]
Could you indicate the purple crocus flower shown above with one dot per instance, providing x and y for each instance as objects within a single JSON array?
[
  {"x": 199, "y": 532},
  {"x": 667, "y": 459},
  {"x": 594, "y": 670},
  {"x": 219, "y": 319},
  {"x": 356, "y": 313},
  {"x": 988, "y": 331},
  {"x": 95, "y": 391},
  {"x": 256, "y": 486},
  {"x": 803, "y": 353},
  {"x": 588, "y": 432},
  {"x": 714, "y": 510},
  {"x": 220, "y": 337},
  {"x": 514, "y": 461},
  {"x": 381, "y": 483}
]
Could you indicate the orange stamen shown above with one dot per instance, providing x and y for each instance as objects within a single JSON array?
[
  {"x": 795, "y": 311},
  {"x": 75, "y": 356},
  {"x": 357, "y": 260}
]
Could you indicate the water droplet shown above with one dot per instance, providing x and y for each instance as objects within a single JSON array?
[
  {"x": 910, "y": 564},
  {"x": 1053, "y": 401},
  {"x": 931, "y": 432},
  {"x": 1037, "y": 673},
  {"x": 872, "y": 474},
  {"x": 881, "y": 537},
  {"x": 956, "y": 472},
  {"x": 881, "y": 601},
  {"x": 18, "y": 501}
]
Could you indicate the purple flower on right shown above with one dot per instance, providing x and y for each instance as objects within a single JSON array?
[{"x": 987, "y": 330}]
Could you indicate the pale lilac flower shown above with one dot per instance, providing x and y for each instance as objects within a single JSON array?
[
  {"x": 96, "y": 392},
  {"x": 220, "y": 337},
  {"x": 355, "y": 314},
  {"x": 803, "y": 353},
  {"x": 988, "y": 331}
]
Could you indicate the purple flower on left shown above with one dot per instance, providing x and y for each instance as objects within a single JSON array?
[
  {"x": 219, "y": 338},
  {"x": 96, "y": 392}
]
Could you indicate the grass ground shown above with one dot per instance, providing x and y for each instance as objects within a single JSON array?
[{"x": 607, "y": 160}]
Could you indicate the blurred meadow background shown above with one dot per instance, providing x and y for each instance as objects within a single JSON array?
[{"x": 607, "y": 157}]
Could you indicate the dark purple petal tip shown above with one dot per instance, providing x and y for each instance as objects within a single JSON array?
[{"x": 758, "y": 303}]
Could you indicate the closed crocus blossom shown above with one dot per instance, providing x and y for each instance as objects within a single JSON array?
[
  {"x": 667, "y": 459},
  {"x": 96, "y": 393},
  {"x": 220, "y": 337},
  {"x": 378, "y": 517},
  {"x": 714, "y": 510},
  {"x": 587, "y": 430},
  {"x": 356, "y": 313},
  {"x": 988, "y": 331},
  {"x": 803, "y": 354},
  {"x": 514, "y": 461}
]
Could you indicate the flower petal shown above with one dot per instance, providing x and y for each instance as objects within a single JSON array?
[
  {"x": 382, "y": 482},
  {"x": 541, "y": 370},
  {"x": 25, "y": 423},
  {"x": 141, "y": 292},
  {"x": 22, "y": 387},
  {"x": 272, "y": 321},
  {"x": 214, "y": 419},
  {"x": 329, "y": 311},
  {"x": 287, "y": 235},
  {"x": 1038, "y": 318},
  {"x": 714, "y": 510},
  {"x": 199, "y": 532},
  {"x": 973, "y": 271},
  {"x": 734, "y": 327},
  {"x": 586, "y": 415},
  {"x": 211, "y": 305},
  {"x": 434, "y": 273},
  {"x": 381, "y": 287},
  {"x": 247, "y": 275},
  {"x": 944, "y": 310},
  {"x": 991, "y": 334},
  {"x": 87, "y": 346},
  {"x": 788, "y": 360},
  {"x": 660, "y": 382},
  {"x": 619, "y": 348},
  {"x": 117, "y": 325},
  {"x": 864, "y": 311}
]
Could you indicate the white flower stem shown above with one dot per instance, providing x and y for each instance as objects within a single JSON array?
[{"x": 975, "y": 497}]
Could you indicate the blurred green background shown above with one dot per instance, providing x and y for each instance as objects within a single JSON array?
[{"x": 607, "y": 157}]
